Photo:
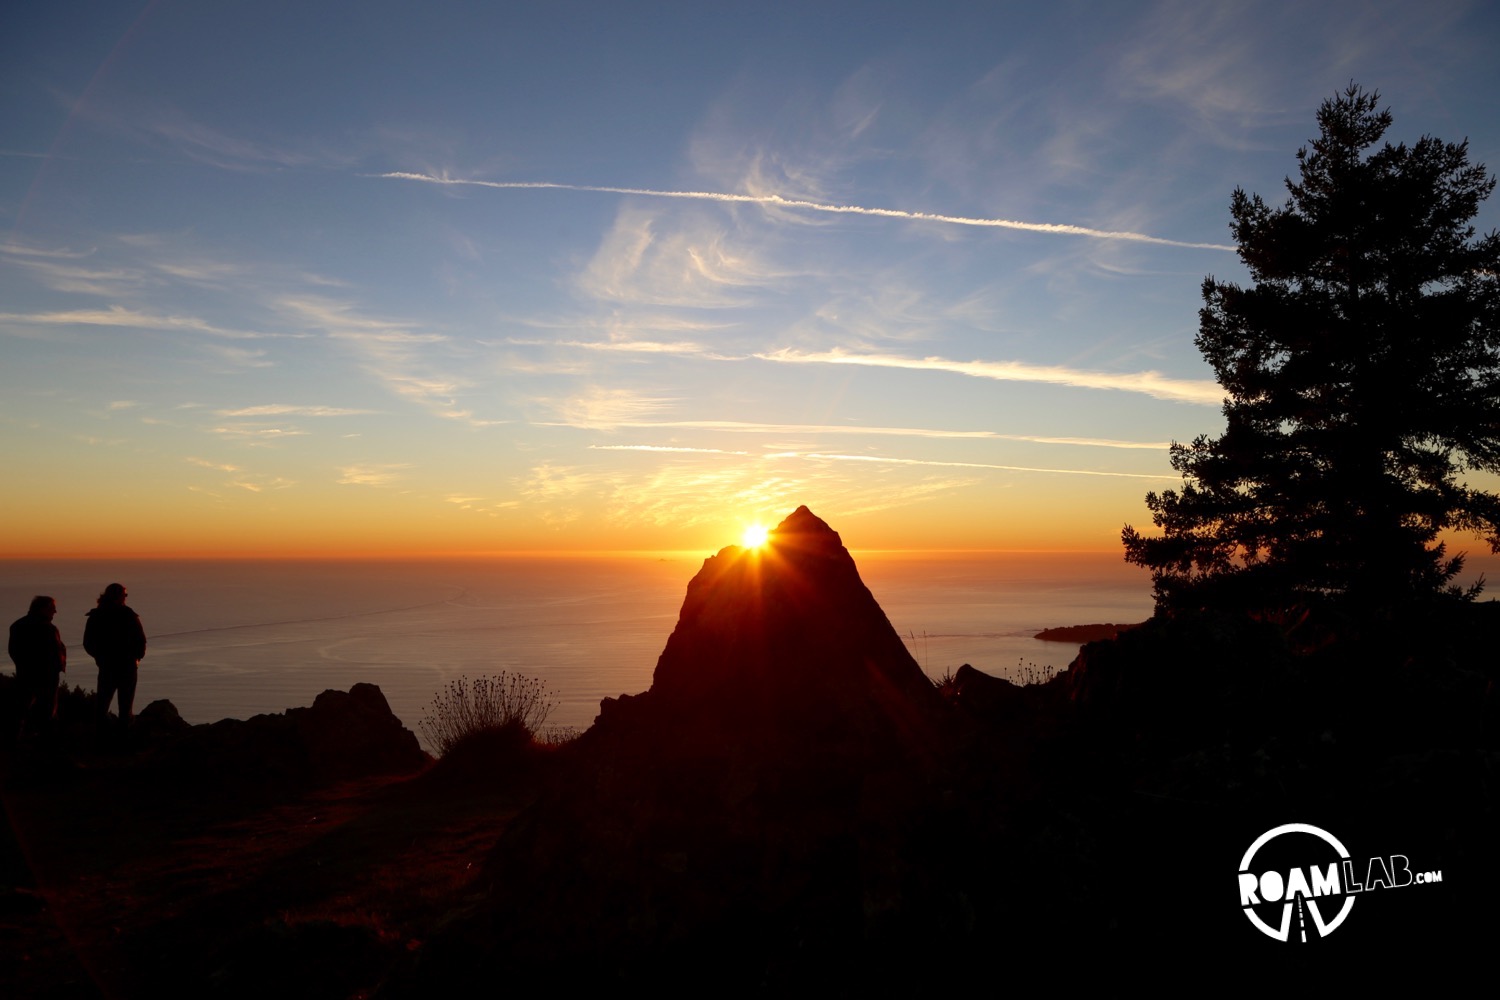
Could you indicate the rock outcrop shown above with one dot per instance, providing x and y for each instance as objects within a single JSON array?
[
  {"x": 763, "y": 798},
  {"x": 785, "y": 642},
  {"x": 344, "y": 734}
]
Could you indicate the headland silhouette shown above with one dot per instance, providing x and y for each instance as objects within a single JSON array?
[{"x": 791, "y": 807}]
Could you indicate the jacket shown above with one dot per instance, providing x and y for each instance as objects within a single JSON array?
[{"x": 113, "y": 634}]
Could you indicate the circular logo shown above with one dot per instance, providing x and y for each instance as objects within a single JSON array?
[{"x": 1295, "y": 875}]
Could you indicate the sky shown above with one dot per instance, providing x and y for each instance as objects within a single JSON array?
[{"x": 379, "y": 278}]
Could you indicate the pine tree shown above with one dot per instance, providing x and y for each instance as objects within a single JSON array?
[{"x": 1362, "y": 376}]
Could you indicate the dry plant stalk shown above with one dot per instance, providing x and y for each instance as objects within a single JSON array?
[{"x": 485, "y": 704}]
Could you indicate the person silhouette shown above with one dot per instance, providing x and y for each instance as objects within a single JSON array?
[
  {"x": 37, "y": 650},
  {"x": 113, "y": 636}
]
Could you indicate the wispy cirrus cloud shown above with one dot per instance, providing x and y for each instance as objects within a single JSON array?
[
  {"x": 670, "y": 449},
  {"x": 81, "y": 279},
  {"x": 684, "y": 493},
  {"x": 216, "y": 466},
  {"x": 754, "y": 427},
  {"x": 694, "y": 263},
  {"x": 777, "y": 201},
  {"x": 679, "y": 348},
  {"x": 398, "y": 353},
  {"x": 237, "y": 357},
  {"x": 133, "y": 318},
  {"x": 1150, "y": 383},
  {"x": 26, "y": 250},
  {"x": 482, "y": 505},
  {"x": 217, "y": 148},
  {"x": 283, "y": 409},
  {"x": 382, "y": 474},
  {"x": 600, "y": 408},
  {"x": 257, "y": 433},
  {"x": 878, "y": 460},
  {"x": 259, "y": 484}
]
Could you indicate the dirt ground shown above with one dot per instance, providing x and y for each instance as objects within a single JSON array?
[{"x": 117, "y": 884}]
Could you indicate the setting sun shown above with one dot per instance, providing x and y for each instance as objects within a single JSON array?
[{"x": 755, "y": 536}]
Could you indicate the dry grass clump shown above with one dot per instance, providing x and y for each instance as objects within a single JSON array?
[{"x": 485, "y": 705}]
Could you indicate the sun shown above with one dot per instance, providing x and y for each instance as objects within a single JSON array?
[{"x": 755, "y": 536}]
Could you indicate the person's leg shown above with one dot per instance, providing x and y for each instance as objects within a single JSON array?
[
  {"x": 42, "y": 712},
  {"x": 50, "y": 696},
  {"x": 103, "y": 693},
  {"x": 128, "y": 674},
  {"x": 18, "y": 707}
]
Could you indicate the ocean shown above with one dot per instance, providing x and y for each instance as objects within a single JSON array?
[{"x": 231, "y": 639}]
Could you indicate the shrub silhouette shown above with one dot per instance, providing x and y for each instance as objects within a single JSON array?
[{"x": 466, "y": 710}]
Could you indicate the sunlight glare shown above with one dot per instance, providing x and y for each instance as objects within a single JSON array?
[{"x": 755, "y": 536}]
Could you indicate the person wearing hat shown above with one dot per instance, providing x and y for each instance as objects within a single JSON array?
[{"x": 113, "y": 636}]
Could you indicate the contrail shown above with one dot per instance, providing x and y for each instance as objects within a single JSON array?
[
  {"x": 962, "y": 465},
  {"x": 749, "y": 427},
  {"x": 813, "y": 206},
  {"x": 1150, "y": 383}
]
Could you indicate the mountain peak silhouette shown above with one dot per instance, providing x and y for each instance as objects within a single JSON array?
[{"x": 786, "y": 637}]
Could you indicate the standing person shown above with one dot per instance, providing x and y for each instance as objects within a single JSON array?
[
  {"x": 37, "y": 650},
  {"x": 114, "y": 638}
]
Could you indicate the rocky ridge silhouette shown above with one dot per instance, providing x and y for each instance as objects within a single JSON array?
[{"x": 758, "y": 797}]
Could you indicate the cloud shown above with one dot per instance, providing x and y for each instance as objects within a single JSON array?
[
  {"x": 372, "y": 475},
  {"x": 481, "y": 505},
  {"x": 339, "y": 319},
  {"x": 680, "y": 348},
  {"x": 693, "y": 265},
  {"x": 120, "y": 316},
  {"x": 598, "y": 408},
  {"x": 680, "y": 493},
  {"x": 215, "y": 274},
  {"x": 63, "y": 277},
  {"x": 23, "y": 250},
  {"x": 262, "y": 483},
  {"x": 219, "y": 149},
  {"x": 257, "y": 432},
  {"x": 238, "y": 357},
  {"x": 217, "y": 466},
  {"x": 813, "y": 206},
  {"x": 281, "y": 409},
  {"x": 1207, "y": 57},
  {"x": 396, "y": 352},
  {"x": 664, "y": 448},
  {"x": 752, "y": 427},
  {"x": 1150, "y": 383}
]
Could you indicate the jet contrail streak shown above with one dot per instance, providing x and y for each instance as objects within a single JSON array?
[
  {"x": 962, "y": 465},
  {"x": 812, "y": 206}
]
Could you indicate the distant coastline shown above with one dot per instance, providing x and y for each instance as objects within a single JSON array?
[{"x": 1085, "y": 633}]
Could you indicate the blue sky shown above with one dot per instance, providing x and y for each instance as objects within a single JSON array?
[{"x": 322, "y": 277}]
